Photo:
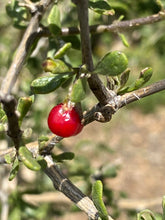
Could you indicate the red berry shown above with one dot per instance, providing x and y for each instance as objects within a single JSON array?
[{"x": 64, "y": 121}]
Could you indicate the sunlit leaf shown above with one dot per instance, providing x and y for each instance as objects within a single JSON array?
[
  {"x": 24, "y": 104},
  {"x": 63, "y": 50},
  {"x": 17, "y": 13},
  {"x": 78, "y": 92},
  {"x": 124, "y": 40},
  {"x": 144, "y": 77},
  {"x": 112, "y": 64},
  {"x": 54, "y": 20},
  {"x": 28, "y": 160},
  {"x": 47, "y": 84},
  {"x": 101, "y": 7},
  {"x": 55, "y": 66},
  {"x": 97, "y": 196}
]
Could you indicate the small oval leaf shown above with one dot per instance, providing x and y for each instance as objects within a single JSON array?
[
  {"x": 28, "y": 160},
  {"x": 24, "y": 104},
  {"x": 47, "y": 84},
  {"x": 124, "y": 78},
  {"x": 101, "y": 7},
  {"x": 54, "y": 20},
  {"x": 56, "y": 66},
  {"x": 18, "y": 13},
  {"x": 144, "y": 77},
  {"x": 112, "y": 64},
  {"x": 78, "y": 92}
]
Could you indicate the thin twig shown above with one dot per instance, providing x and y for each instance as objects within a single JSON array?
[
  {"x": 117, "y": 26},
  {"x": 120, "y": 101},
  {"x": 141, "y": 93},
  {"x": 89, "y": 116}
]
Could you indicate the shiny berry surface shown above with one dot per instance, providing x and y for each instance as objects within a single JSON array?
[{"x": 64, "y": 121}]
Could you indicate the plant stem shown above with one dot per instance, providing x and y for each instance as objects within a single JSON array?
[
  {"x": 119, "y": 26},
  {"x": 95, "y": 83}
]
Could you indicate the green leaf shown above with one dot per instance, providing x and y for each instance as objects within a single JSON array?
[
  {"x": 8, "y": 158},
  {"x": 116, "y": 5},
  {"x": 56, "y": 66},
  {"x": 146, "y": 215},
  {"x": 63, "y": 50},
  {"x": 2, "y": 113},
  {"x": 112, "y": 64},
  {"x": 14, "y": 170},
  {"x": 124, "y": 40},
  {"x": 24, "y": 104},
  {"x": 43, "y": 138},
  {"x": 144, "y": 77},
  {"x": 101, "y": 7},
  {"x": 28, "y": 160},
  {"x": 63, "y": 156},
  {"x": 47, "y": 84},
  {"x": 161, "y": 4},
  {"x": 97, "y": 194},
  {"x": 124, "y": 77},
  {"x": 3, "y": 117},
  {"x": 67, "y": 83},
  {"x": 78, "y": 92},
  {"x": 2, "y": 128},
  {"x": 54, "y": 20},
  {"x": 17, "y": 13}
]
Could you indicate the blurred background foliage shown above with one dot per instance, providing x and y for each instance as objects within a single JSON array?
[{"x": 146, "y": 49}]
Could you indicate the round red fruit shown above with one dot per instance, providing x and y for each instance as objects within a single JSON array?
[{"x": 64, "y": 121}]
